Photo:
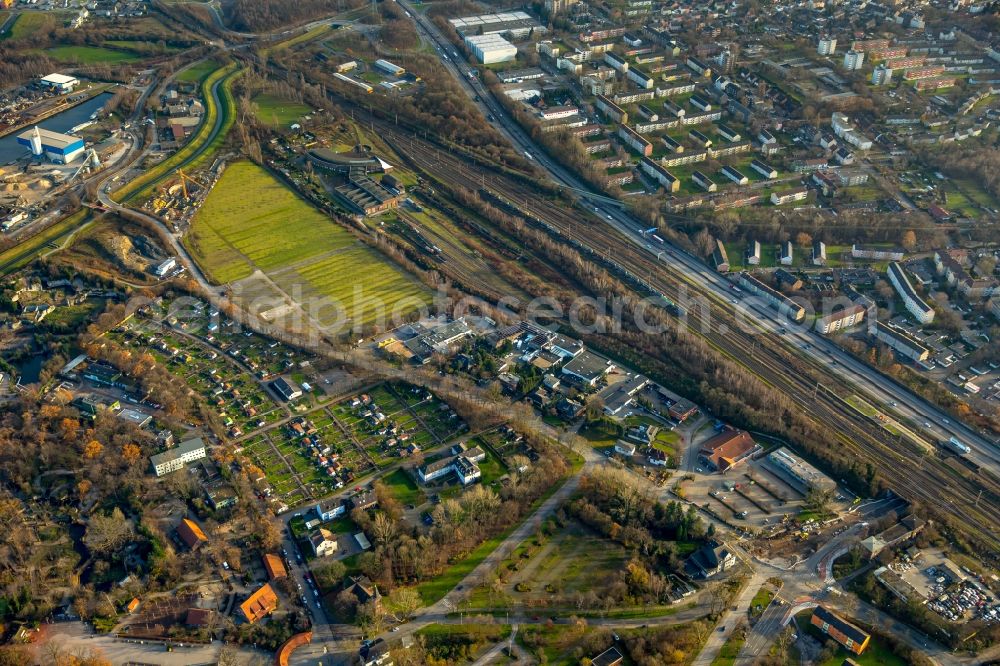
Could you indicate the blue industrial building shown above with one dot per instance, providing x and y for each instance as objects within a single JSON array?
[{"x": 56, "y": 147}]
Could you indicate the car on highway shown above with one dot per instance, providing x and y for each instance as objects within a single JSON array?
[{"x": 946, "y": 421}]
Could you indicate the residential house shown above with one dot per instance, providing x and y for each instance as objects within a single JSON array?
[
  {"x": 720, "y": 258},
  {"x": 710, "y": 560},
  {"x": 840, "y": 318},
  {"x": 818, "y": 253},
  {"x": 784, "y": 279},
  {"x": 329, "y": 509},
  {"x": 625, "y": 448},
  {"x": 787, "y": 254},
  {"x": 260, "y": 604},
  {"x": 323, "y": 542},
  {"x": 915, "y": 305}
]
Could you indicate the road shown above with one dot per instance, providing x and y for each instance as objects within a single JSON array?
[
  {"x": 497, "y": 650},
  {"x": 822, "y": 352},
  {"x": 9, "y": 23},
  {"x": 729, "y": 621}
]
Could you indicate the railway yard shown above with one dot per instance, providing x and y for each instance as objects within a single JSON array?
[{"x": 949, "y": 490}]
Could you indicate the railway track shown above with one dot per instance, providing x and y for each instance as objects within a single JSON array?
[{"x": 944, "y": 488}]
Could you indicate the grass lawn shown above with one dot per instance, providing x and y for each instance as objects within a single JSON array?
[
  {"x": 278, "y": 111},
  {"x": 495, "y": 632},
  {"x": 730, "y": 649},
  {"x": 736, "y": 251},
  {"x": 74, "y": 315},
  {"x": 88, "y": 55},
  {"x": 28, "y": 250},
  {"x": 871, "y": 412},
  {"x": 252, "y": 221},
  {"x": 763, "y": 597},
  {"x": 432, "y": 590},
  {"x": 198, "y": 73},
  {"x": 404, "y": 489},
  {"x": 599, "y": 434},
  {"x": 28, "y": 23}
]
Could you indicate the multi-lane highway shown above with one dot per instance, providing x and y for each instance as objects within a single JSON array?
[{"x": 883, "y": 391}]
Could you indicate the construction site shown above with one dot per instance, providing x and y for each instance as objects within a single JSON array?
[{"x": 179, "y": 197}]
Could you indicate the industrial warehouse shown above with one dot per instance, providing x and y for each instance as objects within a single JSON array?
[{"x": 56, "y": 147}]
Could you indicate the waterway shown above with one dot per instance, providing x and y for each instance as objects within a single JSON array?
[{"x": 10, "y": 149}]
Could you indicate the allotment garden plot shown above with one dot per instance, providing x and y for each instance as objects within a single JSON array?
[
  {"x": 329, "y": 447},
  {"x": 217, "y": 379}
]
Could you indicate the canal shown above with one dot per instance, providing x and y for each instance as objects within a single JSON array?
[{"x": 10, "y": 149}]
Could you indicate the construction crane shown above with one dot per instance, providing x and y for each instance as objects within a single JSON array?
[{"x": 185, "y": 179}]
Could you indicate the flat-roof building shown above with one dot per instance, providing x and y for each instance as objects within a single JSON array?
[
  {"x": 901, "y": 343},
  {"x": 587, "y": 368},
  {"x": 840, "y": 319},
  {"x": 915, "y": 305},
  {"x": 517, "y": 25},
  {"x": 174, "y": 459},
  {"x": 491, "y": 48},
  {"x": 60, "y": 82},
  {"x": 783, "y": 304},
  {"x": 800, "y": 471}
]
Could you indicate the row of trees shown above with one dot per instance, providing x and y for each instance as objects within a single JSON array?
[{"x": 261, "y": 15}]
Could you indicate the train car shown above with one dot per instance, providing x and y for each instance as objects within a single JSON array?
[{"x": 955, "y": 446}]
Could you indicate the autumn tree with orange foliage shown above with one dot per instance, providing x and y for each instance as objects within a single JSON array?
[
  {"x": 92, "y": 449},
  {"x": 131, "y": 453}
]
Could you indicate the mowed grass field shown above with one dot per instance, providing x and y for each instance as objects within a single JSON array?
[
  {"x": 198, "y": 73},
  {"x": 28, "y": 23},
  {"x": 252, "y": 221},
  {"x": 278, "y": 111},
  {"x": 89, "y": 54}
]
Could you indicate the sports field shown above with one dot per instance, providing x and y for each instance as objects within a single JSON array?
[
  {"x": 251, "y": 221},
  {"x": 278, "y": 111}
]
